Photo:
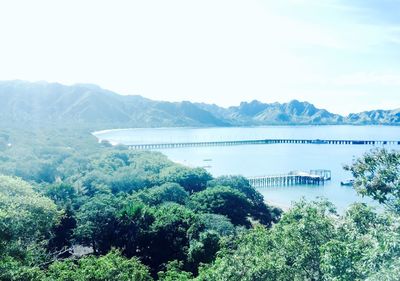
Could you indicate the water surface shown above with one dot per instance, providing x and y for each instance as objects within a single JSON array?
[{"x": 256, "y": 160}]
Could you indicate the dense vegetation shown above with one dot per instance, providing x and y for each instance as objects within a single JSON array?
[{"x": 73, "y": 209}]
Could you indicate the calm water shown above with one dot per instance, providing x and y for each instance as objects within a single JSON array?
[{"x": 254, "y": 160}]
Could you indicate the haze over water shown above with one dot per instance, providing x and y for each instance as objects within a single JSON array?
[{"x": 256, "y": 160}]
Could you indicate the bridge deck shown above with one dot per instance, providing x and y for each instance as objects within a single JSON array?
[
  {"x": 261, "y": 141},
  {"x": 315, "y": 177}
]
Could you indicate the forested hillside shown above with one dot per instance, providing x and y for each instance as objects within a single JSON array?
[
  {"x": 43, "y": 103},
  {"x": 90, "y": 105}
]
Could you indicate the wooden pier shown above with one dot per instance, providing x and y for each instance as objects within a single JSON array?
[
  {"x": 314, "y": 177},
  {"x": 148, "y": 146}
]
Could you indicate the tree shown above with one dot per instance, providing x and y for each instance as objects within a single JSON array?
[
  {"x": 68, "y": 201},
  {"x": 192, "y": 180},
  {"x": 112, "y": 266},
  {"x": 93, "y": 183},
  {"x": 64, "y": 195},
  {"x": 97, "y": 222},
  {"x": 241, "y": 184},
  {"x": 17, "y": 270},
  {"x": 133, "y": 233},
  {"x": 172, "y": 230},
  {"x": 26, "y": 222},
  {"x": 217, "y": 223},
  {"x": 260, "y": 211},
  {"x": 174, "y": 272},
  {"x": 290, "y": 250},
  {"x": 389, "y": 271},
  {"x": 224, "y": 201},
  {"x": 128, "y": 179},
  {"x": 250, "y": 259},
  {"x": 203, "y": 250},
  {"x": 167, "y": 192},
  {"x": 367, "y": 242},
  {"x": 26, "y": 217},
  {"x": 63, "y": 232},
  {"x": 377, "y": 175}
]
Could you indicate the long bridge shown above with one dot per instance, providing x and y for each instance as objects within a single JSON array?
[
  {"x": 261, "y": 141},
  {"x": 314, "y": 177}
]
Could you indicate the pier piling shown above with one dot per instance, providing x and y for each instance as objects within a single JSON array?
[{"x": 314, "y": 177}]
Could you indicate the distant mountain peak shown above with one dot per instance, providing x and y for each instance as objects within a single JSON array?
[
  {"x": 251, "y": 108},
  {"x": 45, "y": 103},
  {"x": 87, "y": 85}
]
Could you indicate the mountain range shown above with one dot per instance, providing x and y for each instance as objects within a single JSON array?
[{"x": 53, "y": 103}]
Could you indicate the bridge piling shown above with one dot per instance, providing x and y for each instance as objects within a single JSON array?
[{"x": 260, "y": 141}]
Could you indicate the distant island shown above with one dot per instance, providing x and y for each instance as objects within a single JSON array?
[{"x": 53, "y": 103}]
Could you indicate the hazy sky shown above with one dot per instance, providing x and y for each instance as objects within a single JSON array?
[{"x": 340, "y": 56}]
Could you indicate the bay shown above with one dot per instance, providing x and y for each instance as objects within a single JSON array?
[{"x": 257, "y": 160}]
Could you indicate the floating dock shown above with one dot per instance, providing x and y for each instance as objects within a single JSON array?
[
  {"x": 314, "y": 177},
  {"x": 148, "y": 146}
]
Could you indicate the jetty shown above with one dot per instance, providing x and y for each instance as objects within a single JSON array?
[
  {"x": 314, "y": 177},
  {"x": 149, "y": 146}
]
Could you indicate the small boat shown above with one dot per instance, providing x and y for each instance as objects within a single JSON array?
[
  {"x": 347, "y": 183},
  {"x": 207, "y": 159}
]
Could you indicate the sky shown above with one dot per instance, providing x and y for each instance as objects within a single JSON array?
[{"x": 340, "y": 55}]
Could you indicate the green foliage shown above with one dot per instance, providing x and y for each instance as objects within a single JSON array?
[
  {"x": 167, "y": 192},
  {"x": 174, "y": 272},
  {"x": 192, "y": 180},
  {"x": 389, "y": 271},
  {"x": 112, "y": 266},
  {"x": 26, "y": 223},
  {"x": 64, "y": 195},
  {"x": 217, "y": 223},
  {"x": 250, "y": 259},
  {"x": 377, "y": 175},
  {"x": 15, "y": 270},
  {"x": 288, "y": 251},
  {"x": 128, "y": 179},
  {"x": 366, "y": 242},
  {"x": 133, "y": 233},
  {"x": 68, "y": 200},
  {"x": 118, "y": 172},
  {"x": 63, "y": 232},
  {"x": 173, "y": 228},
  {"x": 97, "y": 221},
  {"x": 39, "y": 155},
  {"x": 241, "y": 184},
  {"x": 312, "y": 243},
  {"x": 203, "y": 250},
  {"x": 179, "y": 222},
  {"x": 224, "y": 201},
  {"x": 259, "y": 211},
  {"x": 26, "y": 217},
  {"x": 300, "y": 235}
]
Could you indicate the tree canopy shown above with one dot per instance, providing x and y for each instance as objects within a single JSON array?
[
  {"x": 74, "y": 209},
  {"x": 377, "y": 175}
]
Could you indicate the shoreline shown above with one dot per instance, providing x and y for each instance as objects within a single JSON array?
[{"x": 284, "y": 207}]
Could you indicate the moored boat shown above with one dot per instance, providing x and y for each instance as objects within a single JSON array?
[{"x": 347, "y": 183}]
